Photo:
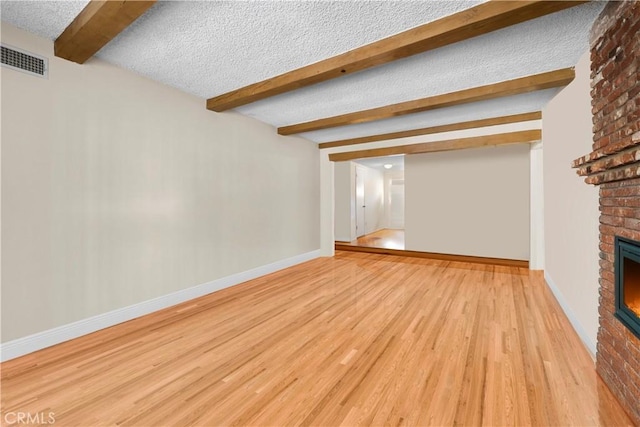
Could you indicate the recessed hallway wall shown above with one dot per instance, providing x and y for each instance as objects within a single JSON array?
[{"x": 469, "y": 202}]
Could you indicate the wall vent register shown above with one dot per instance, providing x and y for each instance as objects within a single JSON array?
[{"x": 24, "y": 61}]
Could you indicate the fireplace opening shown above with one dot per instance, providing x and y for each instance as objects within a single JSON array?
[{"x": 627, "y": 286}]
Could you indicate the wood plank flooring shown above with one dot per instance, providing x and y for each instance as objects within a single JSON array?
[
  {"x": 386, "y": 238},
  {"x": 358, "y": 339}
]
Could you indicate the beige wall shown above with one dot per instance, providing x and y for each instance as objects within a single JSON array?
[
  {"x": 469, "y": 202},
  {"x": 571, "y": 206},
  {"x": 344, "y": 217},
  {"x": 117, "y": 189},
  {"x": 326, "y": 172}
]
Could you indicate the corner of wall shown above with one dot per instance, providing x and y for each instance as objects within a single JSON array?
[
  {"x": 570, "y": 217},
  {"x": 573, "y": 319}
]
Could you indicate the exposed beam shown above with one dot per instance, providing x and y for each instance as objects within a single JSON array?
[
  {"x": 97, "y": 24},
  {"x": 526, "y": 84},
  {"x": 481, "y": 19},
  {"x": 520, "y": 137},
  {"x": 515, "y": 118}
]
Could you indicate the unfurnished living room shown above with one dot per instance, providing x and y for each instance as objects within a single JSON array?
[{"x": 320, "y": 212}]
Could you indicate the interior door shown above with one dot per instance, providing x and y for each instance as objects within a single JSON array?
[{"x": 360, "y": 202}]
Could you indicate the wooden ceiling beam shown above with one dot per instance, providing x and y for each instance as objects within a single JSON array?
[
  {"x": 475, "y": 21},
  {"x": 518, "y": 86},
  {"x": 494, "y": 121},
  {"x": 520, "y": 137},
  {"x": 97, "y": 24}
]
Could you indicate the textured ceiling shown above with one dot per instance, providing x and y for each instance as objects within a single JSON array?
[
  {"x": 223, "y": 45},
  {"x": 524, "y": 103},
  {"x": 45, "y": 18},
  {"x": 208, "y": 48}
]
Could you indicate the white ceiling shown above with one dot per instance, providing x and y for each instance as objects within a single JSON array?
[
  {"x": 209, "y": 48},
  {"x": 44, "y": 18},
  {"x": 396, "y": 162}
]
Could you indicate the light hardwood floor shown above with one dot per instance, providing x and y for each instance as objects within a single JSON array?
[
  {"x": 358, "y": 339},
  {"x": 386, "y": 238}
]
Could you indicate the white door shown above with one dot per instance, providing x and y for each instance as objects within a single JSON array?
[
  {"x": 360, "y": 206},
  {"x": 396, "y": 204}
]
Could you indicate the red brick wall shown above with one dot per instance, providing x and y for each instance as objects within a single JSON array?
[
  {"x": 614, "y": 164},
  {"x": 618, "y": 357}
]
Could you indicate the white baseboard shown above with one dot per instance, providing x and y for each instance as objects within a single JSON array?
[
  {"x": 29, "y": 344},
  {"x": 591, "y": 346}
]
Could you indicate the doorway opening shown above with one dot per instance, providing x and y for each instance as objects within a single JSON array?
[{"x": 369, "y": 202}]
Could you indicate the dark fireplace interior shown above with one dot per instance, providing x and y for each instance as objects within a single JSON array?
[{"x": 627, "y": 284}]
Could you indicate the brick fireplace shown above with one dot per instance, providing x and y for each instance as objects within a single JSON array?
[
  {"x": 627, "y": 283},
  {"x": 614, "y": 165}
]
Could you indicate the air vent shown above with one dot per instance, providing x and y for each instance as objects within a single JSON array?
[{"x": 26, "y": 62}]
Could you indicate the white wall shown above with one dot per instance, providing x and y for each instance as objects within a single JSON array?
[
  {"x": 344, "y": 201},
  {"x": 388, "y": 208},
  {"x": 571, "y": 206},
  {"x": 117, "y": 189},
  {"x": 469, "y": 202},
  {"x": 374, "y": 200}
]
